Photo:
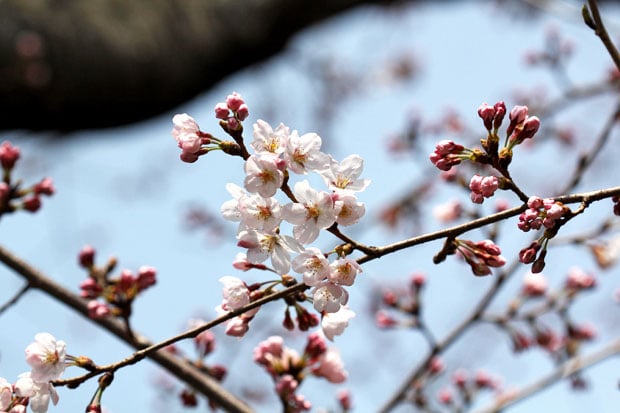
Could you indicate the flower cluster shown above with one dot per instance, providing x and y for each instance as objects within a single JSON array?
[
  {"x": 117, "y": 293},
  {"x": 480, "y": 255},
  {"x": 467, "y": 387},
  {"x": 47, "y": 357},
  {"x": 406, "y": 304},
  {"x": 12, "y": 196},
  {"x": 541, "y": 212},
  {"x": 277, "y": 153},
  {"x": 288, "y": 369}
]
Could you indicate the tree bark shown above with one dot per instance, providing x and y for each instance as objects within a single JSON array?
[{"x": 67, "y": 65}]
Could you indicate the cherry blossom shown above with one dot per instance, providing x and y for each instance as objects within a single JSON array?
[
  {"x": 348, "y": 209},
  {"x": 314, "y": 211},
  {"x": 264, "y": 174},
  {"x": 39, "y": 393},
  {"x": 334, "y": 324},
  {"x": 343, "y": 271},
  {"x": 6, "y": 394},
  {"x": 331, "y": 367},
  {"x": 262, "y": 245},
  {"x": 329, "y": 297},
  {"x": 187, "y": 133},
  {"x": 46, "y": 356},
  {"x": 236, "y": 293},
  {"x": 268, "y": 140},
  {"x": 344, "y": 176},
  {"x": 303, "y": 153},
  {"x": 534, "y": 285},
  {"x": 313, "y": 266}
]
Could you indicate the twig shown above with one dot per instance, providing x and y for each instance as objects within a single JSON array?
[
  {"x": 182, "y": 369},
  {"x": 15, "y": 298},
  {"x": 601, "y": 31},
  {"x": 566, "y": 369}
]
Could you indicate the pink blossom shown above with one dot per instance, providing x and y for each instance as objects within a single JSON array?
[
  {"x": 348, "y": 209},
  {"x": 313, "y": 266},
  {"x": 445, "y": 396},
  {"x": 448, "y": 212},
  {"x": 329, "y": 297},
  {"x": 303, "y": 153},
  {"x": 268, "y": 140},
  {"x": 344, "y": 176},
  {"x": 343, "y": 271},
  {"x": 187, "y": 133},
  {"x": 268, "y": 349},
  {"x": 534, "y": 285},
  {"x": 331, "y": 367},
  {"x": 264, "y": 175},
  {"x": 578, "y": 279},
  {"x": 46, "y": 356},
  {"x": 90, "y": 288},
  {"x": 334, "y": 323},
  {"x": 235, "y": 292},
  {"x": 86, "y": 256}
]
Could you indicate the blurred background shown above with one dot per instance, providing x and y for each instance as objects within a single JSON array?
[{"x": 88, "y": 95}]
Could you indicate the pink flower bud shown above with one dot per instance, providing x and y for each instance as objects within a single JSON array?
[
  {"x": 487, "y": 114},
  {"x": 500, "y": 112},
  {"x": 86, "y": 257},
  {"x": 45, "y": 187},
  {"x": 9, "y": 154},
  {"x": 517, "y": 116},
  {"x": 243, "y": 112},
  {"x": 234, "y": 101},
  {"x": 32, "y": 203},
  {"x": 221, "y": 111}
]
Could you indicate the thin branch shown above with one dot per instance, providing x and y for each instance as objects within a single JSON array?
[
  {"x": 566, "y": 369},
  {"x": 601, "y": 32},
  {"x": 585, "y": 197},
  {"x": 586, "y": 160},
  {"x": 182, "y": 369},
  {"x": 15, "y": 298}
]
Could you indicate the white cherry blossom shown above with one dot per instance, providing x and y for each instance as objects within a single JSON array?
[
  {"x": 313, "y": 266},
  {"x": 235, "y": 292},
  {"x": 349, "y": 210},
  {"x": 6, "y": 394},
  {"x": 268, "y": 140},
  {"x": 344, "y": 176},
  {"x": 343, "y": 271},
  {"x": 39, "y": 393},
  {"x": 264, "y": 174},
  {"x": 314, "y": 211},
  {"x": 262, "y": 245},
  {"x": 46, "y": 356},
  {"x": 334, "y": 324},
  {"x": 303, "y": 153},
  {"x": 329, "y": 297}
]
